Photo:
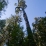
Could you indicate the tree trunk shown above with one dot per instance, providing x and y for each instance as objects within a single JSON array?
[{"x": 30, "y": 35}]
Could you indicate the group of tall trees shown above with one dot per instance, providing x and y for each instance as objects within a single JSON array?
[
  {"x": 39, "y": 31},
  {"x": 12, "y": 33}
]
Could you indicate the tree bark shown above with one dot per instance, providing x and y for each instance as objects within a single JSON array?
[{"x": 31, "y": 41}]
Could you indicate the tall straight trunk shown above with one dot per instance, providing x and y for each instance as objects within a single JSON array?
[{"x": 30, "y": 35}]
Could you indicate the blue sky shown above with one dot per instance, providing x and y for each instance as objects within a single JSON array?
[{"x": 35, "y": 8}]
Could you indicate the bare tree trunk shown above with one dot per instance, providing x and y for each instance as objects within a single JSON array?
[{"x": 30, "y": 35}]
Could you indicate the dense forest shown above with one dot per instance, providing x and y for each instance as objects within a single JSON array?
[{"x": 11, "y": 30}]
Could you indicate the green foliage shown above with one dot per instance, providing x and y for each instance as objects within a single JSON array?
[
  {"x": 2, "y": 24},
  {"x": 15, "y": 32},
  {"x": 3, "y": 4},
  {"x": 21, "y": 4},
  {"x": 40, "y": 31}
]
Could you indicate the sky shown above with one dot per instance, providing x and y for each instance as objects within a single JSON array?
[{"x": 35, "y": 8}]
